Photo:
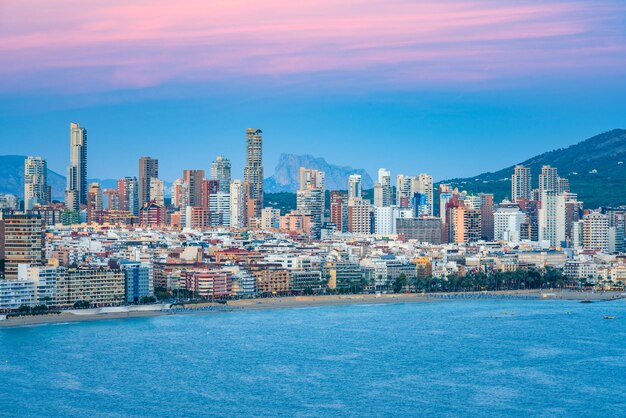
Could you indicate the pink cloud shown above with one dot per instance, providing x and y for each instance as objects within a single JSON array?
[{"x": 114, "y": 44}]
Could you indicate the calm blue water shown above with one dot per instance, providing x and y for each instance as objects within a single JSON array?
[{"x": 444, "y": 358}]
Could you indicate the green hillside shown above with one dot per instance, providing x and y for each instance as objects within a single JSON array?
[{"x": 596, "y": 169}]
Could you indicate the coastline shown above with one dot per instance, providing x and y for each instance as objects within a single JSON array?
[{"x": 143, "y": 311}]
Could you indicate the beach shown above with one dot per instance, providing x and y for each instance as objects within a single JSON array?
[{"x": 255, "y": 304}]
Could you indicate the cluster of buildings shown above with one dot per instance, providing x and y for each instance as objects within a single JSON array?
[{"x": 214, "y": 238}]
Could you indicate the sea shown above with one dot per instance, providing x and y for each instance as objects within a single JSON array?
[{"x": 449, "y": 358}]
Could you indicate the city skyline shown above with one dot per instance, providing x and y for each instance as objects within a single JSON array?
[{"x": 446, "y": 79}]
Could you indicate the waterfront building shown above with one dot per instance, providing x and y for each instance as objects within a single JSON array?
[
  {"x": 21, "y": 242},
  {"x": 138, "y": 282}
]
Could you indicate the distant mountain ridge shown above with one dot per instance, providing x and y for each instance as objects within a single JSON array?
[
  {"x": 12, "y": 178},
  {"x": 287, "y": 171},
  {"x": 595, "y": 167}
]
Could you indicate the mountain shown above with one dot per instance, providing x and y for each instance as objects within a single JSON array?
[
  {"x": 12, "y": 177},
  {"x": 595, "y": 167},
  {"x": 287, "y": 171}
]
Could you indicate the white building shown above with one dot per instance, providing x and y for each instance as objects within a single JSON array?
[
  {"x": 507, "y": 223},
  {"x": 157, "y": 191},
  {"x": 354, "y": 186},
  {"x": 237, "y": 204},
  {"x": 219, "y": 204},
  {"x": 552, "y": 218}
]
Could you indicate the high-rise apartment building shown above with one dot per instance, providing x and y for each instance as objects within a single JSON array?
[
  {"x": 220, "y": 171},
  {"x": 596, "y": 232},
  {"x": 21, "y": 242},
  {"x": 94, "y": 202},
  {"x": 382, "y": 189},
  {"x": 128, "y": 192},
  {"x": 148, "y": 170},
  {"x": 111, "y": 199},
  {"x": 403, "y": 190},
  {"x": 359, "y": 216},
  {"x": 194, "y": 179},
  {"x": 521, "y": 183},
  {"x": 339, "y": 210},
  {"x": 423, "y": 184},
  {"x": 552, "y": 218},
  {"x": 36, "y": 190},
  {"x": 310, "y": 202},
  {"x": 157, "y": 191},
  {"x": 486, "y": 216},
  {"x": 237, "y": 204},
  {"x": 253, "y": 172},
  {"x": 76, "y": 187},
  {"x": 508, "y": 220},
  {"x": 548, "y": 180},
  {"x": 179, "y": 193},
  {"x": 354, "y": 186}
]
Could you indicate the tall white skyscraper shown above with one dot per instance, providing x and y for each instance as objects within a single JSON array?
[
  {"x": 403, "y": 190},
  {"x": 552, "y": 218},
  {"x": 36, "y": 190},
  {"x": 76, "y": 189},
  {"x": 521, "y": 183},
  {"x": 237, "y": 204},
  {"x": 354, "y": 186}
]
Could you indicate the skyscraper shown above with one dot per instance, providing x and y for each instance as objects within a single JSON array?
[
  {"x": 354, "y": 186},
  {"x": 220, "y": 171},
  {"x": 127, "y": 188},
  {"x": 382, "y": 189},
  {"x": 94, "y": 202},
  {"x": 237, "y": 204},
  {"x": 253, "y": 171},
  {"x": 521, "y": 183},
  {"x": 36, "y": 190},
  {"x": 423, "y": 184},
  {"x": 310, "y": 198},
  {"x": 148, "y": 169},
  {"x": 195, "y": 182},
  {"x": 548, "y": 180},
  {"x": 76, "y": 189}
]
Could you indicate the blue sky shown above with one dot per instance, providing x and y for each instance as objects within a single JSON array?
[{"x": 499, "y": 84}]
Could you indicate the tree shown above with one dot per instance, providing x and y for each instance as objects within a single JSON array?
[
  {"x": 399, "y": 283},
  {"x": 82, "y": 304}
]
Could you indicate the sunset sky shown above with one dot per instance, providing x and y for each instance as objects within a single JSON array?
[{"x": 452, "y": 88}]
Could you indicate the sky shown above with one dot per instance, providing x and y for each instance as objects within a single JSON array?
[{"x": 449, "y": 87}]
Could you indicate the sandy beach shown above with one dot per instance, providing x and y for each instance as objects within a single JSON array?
[{"x": 300, "y": 302}]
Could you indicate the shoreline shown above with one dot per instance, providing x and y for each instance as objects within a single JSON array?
[{"x": 143, "y": 311}]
